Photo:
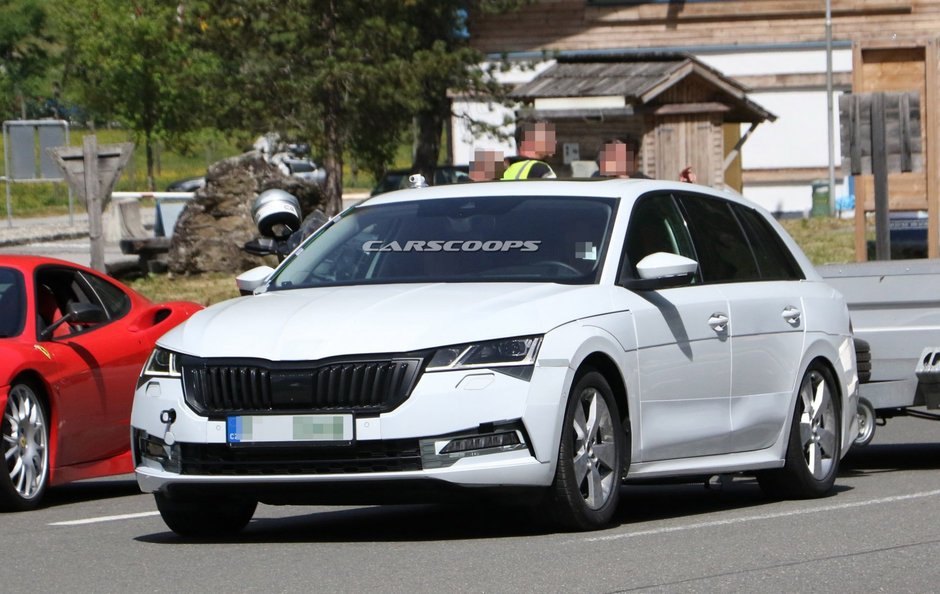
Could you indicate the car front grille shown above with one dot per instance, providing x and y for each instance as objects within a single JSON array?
[
  {"x": 360, "y": 458},
  {"x": 217, "y": 387}
]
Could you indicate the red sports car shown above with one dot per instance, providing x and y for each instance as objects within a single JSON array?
[{"x": 72, "y": 344}]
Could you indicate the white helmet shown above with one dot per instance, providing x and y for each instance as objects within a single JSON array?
[{"x": 276, "y": 213}]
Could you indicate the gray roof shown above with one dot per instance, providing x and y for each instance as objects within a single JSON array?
[{"x": 638, "y": 78}]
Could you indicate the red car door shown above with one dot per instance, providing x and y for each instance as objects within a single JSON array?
[{"x": 96, "y": 366}]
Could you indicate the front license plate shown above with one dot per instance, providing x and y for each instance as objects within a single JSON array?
[{"x": 289, "y": 428}]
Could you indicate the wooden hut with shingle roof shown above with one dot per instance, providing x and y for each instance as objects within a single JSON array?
[{"x": 677, "y": 110}]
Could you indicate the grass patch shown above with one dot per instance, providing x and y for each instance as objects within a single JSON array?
[
  {"x": 825, "y": 240},
  {"x": 204, "y": 288}
]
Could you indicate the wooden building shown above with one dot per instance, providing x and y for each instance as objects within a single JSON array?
[
  {"x": 558, "y": 25},
  {"x": 676, "y": 109}
]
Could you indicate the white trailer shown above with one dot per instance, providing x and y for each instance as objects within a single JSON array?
[{"x": 895, "y": 309}]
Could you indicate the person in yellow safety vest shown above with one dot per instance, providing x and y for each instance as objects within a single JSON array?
[{"x": 537, "y": 142}]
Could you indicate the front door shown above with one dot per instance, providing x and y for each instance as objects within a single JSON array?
[{"x": 683, "y": 349}]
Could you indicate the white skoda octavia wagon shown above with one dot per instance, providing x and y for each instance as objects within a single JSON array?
[{"x": 544, "y": 341}]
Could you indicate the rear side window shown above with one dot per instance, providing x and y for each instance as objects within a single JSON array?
[
  {"x": 114, "y": 300},
  {"x": 773, "y": 257},
  {"x": 723, "y": 250}
]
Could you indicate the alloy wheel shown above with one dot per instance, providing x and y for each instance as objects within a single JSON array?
[
  {"x": 25, "y": 442},
  {"x": 817, "y": 425},
  {"x": 595, "y": 454}
]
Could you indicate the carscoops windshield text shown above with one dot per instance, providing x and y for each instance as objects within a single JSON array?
[{"x": 454, "y": 245}]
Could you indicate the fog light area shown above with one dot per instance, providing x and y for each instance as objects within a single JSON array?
[
  {"x": 153, "y": 452},
  {"x": 444, "y": 451},
  {"x": 481, "y": 442}
]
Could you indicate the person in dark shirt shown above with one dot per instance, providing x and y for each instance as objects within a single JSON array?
[{"x": 619, "y": 158}]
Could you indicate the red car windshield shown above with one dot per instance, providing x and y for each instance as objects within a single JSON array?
[{"x": 12, "y": 303}]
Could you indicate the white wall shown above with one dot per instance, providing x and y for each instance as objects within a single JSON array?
[
  {"x": 780, "y": 62},
  {"x": 465, "y": 144},
  {"x": 797, "y": 138}
]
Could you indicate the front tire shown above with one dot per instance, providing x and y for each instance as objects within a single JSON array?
[
  {"x": 589, "y": 472},
  {"x": 25, "y": 449},
  {"x": 205, "y": 518},
  {"x": 815, "y": 443}
]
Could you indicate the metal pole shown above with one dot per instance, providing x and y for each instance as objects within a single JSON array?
[
  {"x": 71, "y": 199},
  {"x": 829, "y": 107},
  {"x": 6, "y": 175},
  {"x": 879, "y": 168},
  {"x": 93, "y": 201}
]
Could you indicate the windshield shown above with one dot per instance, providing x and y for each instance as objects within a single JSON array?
[
  {"x": 480, "y": 239},
  {"x": 12, "y": 303}
]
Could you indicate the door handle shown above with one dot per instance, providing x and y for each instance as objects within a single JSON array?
[
  {"x": 718, "y": 322},
  {"x": 791, "y": 315}
]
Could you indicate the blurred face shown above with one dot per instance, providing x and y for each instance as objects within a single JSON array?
[
  {"x": 616, "y": 160},
  {"x": 539, "y": 140},
  {"x": 487, "y": 165}
]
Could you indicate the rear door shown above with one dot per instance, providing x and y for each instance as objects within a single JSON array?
[{"x": 743, "y": 256}]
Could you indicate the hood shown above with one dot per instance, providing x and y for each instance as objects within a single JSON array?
[{"x": 308, "y": 324}]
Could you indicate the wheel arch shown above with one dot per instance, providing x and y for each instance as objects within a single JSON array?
[
  {"x": 608, "y": 368},
  {"x": 826, "y": 355}
]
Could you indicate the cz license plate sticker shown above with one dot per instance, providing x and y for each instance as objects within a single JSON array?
[{"x": 289, "y": 428}]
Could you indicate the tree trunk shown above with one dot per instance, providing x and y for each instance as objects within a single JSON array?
[
  {"x": 333, "y": 159},
  {"x": 148, "y": 146},
  {"x": 333, "y": 163},
  {"x": 429, "y": 124}
]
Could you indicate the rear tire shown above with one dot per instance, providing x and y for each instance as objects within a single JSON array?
[
  {"x": 589, "y": 471},
  {"x": 815, "y": 443},
  {"x": 25, "y": 448},
  {"x": 205, "y": 518}
]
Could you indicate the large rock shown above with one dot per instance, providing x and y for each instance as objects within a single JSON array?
[{"x": 214, "y": 226}]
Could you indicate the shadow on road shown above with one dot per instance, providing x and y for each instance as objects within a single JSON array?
[
  {"x": 639, "y": 504},
  {"x": 90, "y": 490},
  {"x": 891, "y": 457}
]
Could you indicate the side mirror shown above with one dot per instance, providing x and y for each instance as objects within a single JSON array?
[
  {"x": 662, "y": 270},
  {"x": 250, "y": 280},
  {"x": 77, "y": 314},
  {"x": 85, "y": 314}
]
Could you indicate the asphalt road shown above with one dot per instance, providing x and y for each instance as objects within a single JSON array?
[
  {"x": 76, "y": 250},
  {"x": 877, "y": 532}
]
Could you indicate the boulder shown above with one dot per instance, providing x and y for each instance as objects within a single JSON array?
[{"x": 214, "y": 226}]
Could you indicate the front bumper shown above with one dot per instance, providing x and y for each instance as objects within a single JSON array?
[{"x": 504, "y": 430}]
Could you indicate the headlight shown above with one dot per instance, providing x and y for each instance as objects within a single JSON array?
[
  {"x": 506, "y": 352},
  {"x": 162, "y": 363}
]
